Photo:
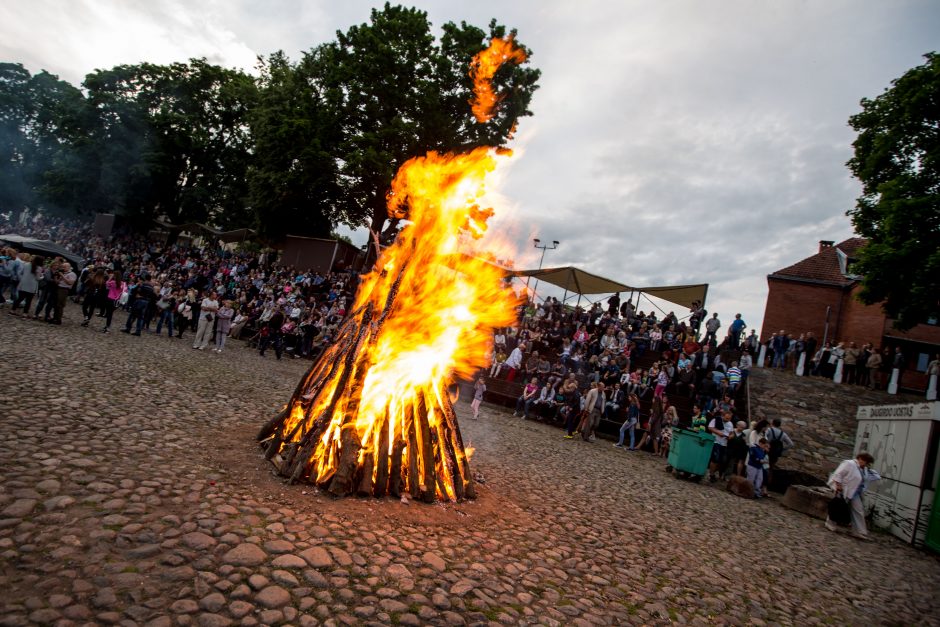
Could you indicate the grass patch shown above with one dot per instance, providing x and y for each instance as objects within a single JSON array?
[
  {"x": 492, "y": 613},
  {"x": 130, "y": 569}
]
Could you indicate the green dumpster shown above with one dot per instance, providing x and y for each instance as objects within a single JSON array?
[{"x": 690, "y": 451}]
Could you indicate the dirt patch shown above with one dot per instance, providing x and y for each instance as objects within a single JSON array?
[{"x": 237, "y": 460}]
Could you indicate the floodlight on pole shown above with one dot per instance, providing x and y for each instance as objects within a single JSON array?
[{"x": 543, "y": 247}]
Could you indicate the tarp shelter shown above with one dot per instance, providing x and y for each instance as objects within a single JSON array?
[
  {"x": 580, "y": 282},
  {"x": 46, "y": 248},
  {"x": 236, "y": 235}
]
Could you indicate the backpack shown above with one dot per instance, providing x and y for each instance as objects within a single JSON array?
[{"x": 776, "y": 445}]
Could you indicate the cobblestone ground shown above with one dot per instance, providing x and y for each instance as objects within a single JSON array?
[{"x": 133, "y": 493}]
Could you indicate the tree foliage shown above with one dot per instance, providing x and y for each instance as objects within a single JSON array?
[
  {"x": 305, "y": 146},
  {"x": 39, "y": 118},
  {"x": 897, "y": 160},
  {"x": 405, "y": 94},
  {"x": 174, "y": 139}
]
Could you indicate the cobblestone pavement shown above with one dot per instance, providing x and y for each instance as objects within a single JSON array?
[{"x": 133, "y": 493}]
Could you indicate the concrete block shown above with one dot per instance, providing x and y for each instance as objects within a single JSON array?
[{"x": 813, "y": 501}]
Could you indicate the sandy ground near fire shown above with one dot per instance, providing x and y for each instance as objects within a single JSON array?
[{"x": 133, "y": 493}]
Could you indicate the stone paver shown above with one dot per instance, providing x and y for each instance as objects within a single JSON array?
[{"x": 132, "y": 492}]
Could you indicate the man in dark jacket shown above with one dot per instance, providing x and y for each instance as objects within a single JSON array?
[
  {"x": 273, "y": 334},
  {"x": 141, "y": 296}
]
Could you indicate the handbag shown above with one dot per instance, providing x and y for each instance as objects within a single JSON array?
[{"x": 839, "y": 511}]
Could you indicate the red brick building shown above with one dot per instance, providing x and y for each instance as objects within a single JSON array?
[{"x": 818, "y": 294}]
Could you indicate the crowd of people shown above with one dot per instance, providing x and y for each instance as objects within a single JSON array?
[
  {"x": 212, "y": 293},
  {"x": 845, "y": 362},
  {"x": 581, "y": 366}
]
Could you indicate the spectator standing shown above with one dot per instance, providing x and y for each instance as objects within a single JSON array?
[
  {"x": 734, "y": 378},
  {"x": 755, "y": 467},
  {"x": 779, "y": 345},
  {"x": 737, "y": 328},
  {"x": 207, "y": 311},
  {"x": 899, "y": 361},
  {"x": 184, "y": 312},
  {"x": 140, "y": 298},
  {"x": 166, "y": 310},
  {"x": 593, "y": 406},
  {"x": 115, "y": 286},
  {"x": 874, "y": 369},
  {"x": 721, "y": 427},
  {"x": 28, "y": 284},
  {"x": 850, "y": 360},
  {"x": 479, "y": 388},
  {"x": 8, "y": 274},
  {"x": 271, "y": 334},
  {"x": 745, "y": 365},
  {"x": 711, "y": 329},
  {"x": 862, "y": 374},
  {"x": 224, "y": 315},
  {"x": 64, "y": 281},
  {"x": 95, "y": 292},
  {"x": 514, "y": 361},
  {"x": 779, "y": 442},
  {"x": 737, "y": 448},
  {"x": 810, "y": 344},
  {"x": 629, "y": 425}
]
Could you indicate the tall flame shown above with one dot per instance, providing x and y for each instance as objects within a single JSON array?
[
  {"x": 482, "y": 69},
  {"x": 373, "y": 414}
]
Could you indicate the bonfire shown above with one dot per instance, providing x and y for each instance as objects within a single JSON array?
[{"x": 374, "y": 415}]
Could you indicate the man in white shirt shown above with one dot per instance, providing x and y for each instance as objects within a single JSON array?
[
  {"x": 514, "y": 363},
  {"x": 721, "y": 427},
  {"x": 210, "y": 305}
]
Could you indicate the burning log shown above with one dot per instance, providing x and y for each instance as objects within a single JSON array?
[{"x": 372, "y": 416}]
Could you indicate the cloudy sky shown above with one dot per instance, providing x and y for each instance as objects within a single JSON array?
[{"x": 690, "y": 141}]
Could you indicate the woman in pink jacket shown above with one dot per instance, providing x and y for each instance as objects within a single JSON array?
[{"x": 115, "y": 286}]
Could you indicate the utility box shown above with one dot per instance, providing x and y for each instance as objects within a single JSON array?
[{"x": 905, "y": 440}]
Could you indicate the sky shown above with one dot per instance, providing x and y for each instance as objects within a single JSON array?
[{"x": 671, "y": 142}]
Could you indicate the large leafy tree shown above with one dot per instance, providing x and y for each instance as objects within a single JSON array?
[
  {"x": 16, "y": 146},
  {"x": 40, "y": 116},
  {"x": 295, "y": 127},
  {"x": 174, "y": 140},
  {"x": 404, "y": 94},
  {"x": 897, "y": 160}
]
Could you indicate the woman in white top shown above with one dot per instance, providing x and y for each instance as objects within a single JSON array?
[{"x": 849, "y": 481}]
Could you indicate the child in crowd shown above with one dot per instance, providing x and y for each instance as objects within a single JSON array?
[
  {"x": 479, "y": 388},
  {"x": 756, "y": 457}
]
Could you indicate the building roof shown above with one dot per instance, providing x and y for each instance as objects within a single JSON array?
[{"x": 824, "y": 266}]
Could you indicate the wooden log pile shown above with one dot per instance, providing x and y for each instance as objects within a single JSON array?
[{"x": 420, "y": 453}]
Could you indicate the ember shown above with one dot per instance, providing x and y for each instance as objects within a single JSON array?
[{"x": 373, "y": 415}]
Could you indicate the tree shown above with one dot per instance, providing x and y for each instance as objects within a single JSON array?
[
  {"x": 39, "y": 116},
  {"x": 404, "y": 95},
  {"x": 293, "y": 174},
  {"x": 174, "y": 140},
  {"x": 16, "y": 148},
  {"x": 897, "y": 160}
]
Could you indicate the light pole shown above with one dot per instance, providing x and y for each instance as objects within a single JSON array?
[{"x": 543, "y": 248}]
